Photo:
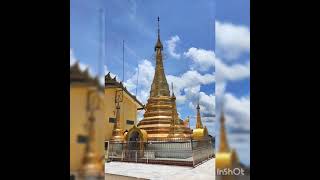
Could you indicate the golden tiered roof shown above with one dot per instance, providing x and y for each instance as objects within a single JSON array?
[{"x": 161, "y": 115}]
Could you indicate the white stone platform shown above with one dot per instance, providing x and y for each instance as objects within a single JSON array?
[{"x": 124, "y": 170}]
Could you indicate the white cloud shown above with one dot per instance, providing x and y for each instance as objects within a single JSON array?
[
  {"x": 187, "y": 90},
  {"x": 231, "y": 40},
  {"x": 203, "y": 59},
  {"x": 226, "y": 73},
  {"x": 232, "y": 72},
  {"x": 72, "y": 57},
  {"x": 146, "y": 73},
  {"x": 82, "y": 66},
  {"x": 172, "y": 43},
  {"x": 207, "y": 105},
  {"x": 237, "y": 111},
  {"x": 140, "y": 115},
  {"x": 187, "y": 85}
]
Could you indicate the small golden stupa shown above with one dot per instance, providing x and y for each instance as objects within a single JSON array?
[
  {"x": 225, "y": 157},
  {"x": 199, "y": 132},
  {"x": 117, "y": 132},
  {"x": 161, "y": 120},
  {"x": 177, "y": 126},
  {"x": 92, "y": 165}
]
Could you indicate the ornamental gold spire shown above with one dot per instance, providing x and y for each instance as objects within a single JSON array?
[
  {"x": 177, "y": 128},
  {"x": 174, "y": 108},
  {"x": 224, "y": 147},
  {"x": 199, "y": 123},
  {"x": 159, "y": 85},
  {"x": 158, "y": 44},
  {"x": 117, "y": 132},
  {"x": 91, "y": 164}
]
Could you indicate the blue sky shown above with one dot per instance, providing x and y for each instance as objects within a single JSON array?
[{"x": 190, "y": 45}]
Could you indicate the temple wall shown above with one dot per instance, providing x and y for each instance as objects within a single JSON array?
[{"x": 78, "y": 119}]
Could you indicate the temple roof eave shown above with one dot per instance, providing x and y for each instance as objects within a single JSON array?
[{"x": 113, "y": 83}]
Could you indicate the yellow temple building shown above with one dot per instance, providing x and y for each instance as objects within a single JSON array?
[
  {"x": 82, "y": 85},
  {"x": 128, "y": 103},
  {"x": 84, "y": 130}
]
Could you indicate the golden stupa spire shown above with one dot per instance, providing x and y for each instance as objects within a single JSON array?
[
  {"x": 158, "y": 44},
  {"x": 224, "y": 147},
  {"x": 176, "y": 130},
  {"x": 174, "y": 107},
  {"x": 117, "y": 132},
  {"x": 174, "y": 114},
  {"x": 159, "y": 85},
  {"x": 199, "y": 123},
  {"x": 91, "y": 164}
]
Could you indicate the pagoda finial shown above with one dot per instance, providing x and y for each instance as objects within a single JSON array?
[
  {"x": 199, "y": 123},
  {"x": 159, "y": 86},
  {"x": 158, "y": 27},
  {"x": 158, "y": 44}
]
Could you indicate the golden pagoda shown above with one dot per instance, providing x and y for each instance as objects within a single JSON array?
[
  {"x": 177, "y": 126},
  {"x": 161, "y": 119},
  {"x": 225, "y": 157},
  {"x": 199, "y": 132},
  {"x": 161, "y": 137}
]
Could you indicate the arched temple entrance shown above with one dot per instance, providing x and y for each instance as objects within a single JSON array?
[{"x": 136, "y": 139}]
